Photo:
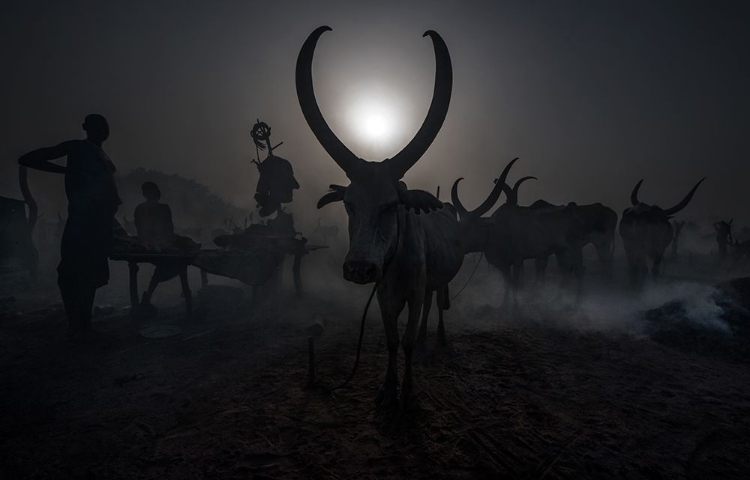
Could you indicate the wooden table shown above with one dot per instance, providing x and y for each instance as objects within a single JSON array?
[
  {"x": 199, "y": 259},
  {"x": 134, "y": 259}
]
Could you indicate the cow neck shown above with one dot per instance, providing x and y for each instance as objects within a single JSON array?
[
  {"x": 486, "y": 224},
  {"x": 398, "y": 241}
]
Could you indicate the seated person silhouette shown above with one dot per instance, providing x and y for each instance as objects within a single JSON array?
[
  {"x": 153, "y": 219},
  {"x": 153, "y": 223}
]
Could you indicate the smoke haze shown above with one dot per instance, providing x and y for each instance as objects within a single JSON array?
[{"x": 592, "y": 97}]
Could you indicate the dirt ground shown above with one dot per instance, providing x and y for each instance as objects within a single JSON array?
[{"x": 525, "y": 395}]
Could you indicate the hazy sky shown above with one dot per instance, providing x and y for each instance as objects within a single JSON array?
[{"x": 591, "y": 95}]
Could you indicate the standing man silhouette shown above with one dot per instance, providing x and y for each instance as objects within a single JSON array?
[{"x": 92, "y": 203}]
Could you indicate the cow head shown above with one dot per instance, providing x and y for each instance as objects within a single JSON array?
[
  {"x": 655, "y": 213},
  {"x": 373, "y": 197},
  {"x": 473, "y": 226}
]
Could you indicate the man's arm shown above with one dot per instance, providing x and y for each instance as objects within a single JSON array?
[{"x": 40, "y": 159}]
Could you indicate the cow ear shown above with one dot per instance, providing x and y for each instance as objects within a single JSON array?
[
  {"x": 335, "y": 195},
  {"x": 419, "y": 200}
]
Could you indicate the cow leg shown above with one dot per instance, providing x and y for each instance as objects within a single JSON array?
[
  {"x": 442, "y": 293},
  {"x": 519, "y": 274},
  {"x": 563, "y": 264},
  {"x": 657, "y": 265},
  {"x": 515, "y": 283},
  {"x": 186, "y": 293},
  {"x": 407, "y": 343},
  {"x": 577, "y": 269},
  {"x": 389, "y": 311},
  {"x": 634, "y": 267},
  {"x": 422, "y": 337},
  {"x": 605, "y": 254},
  {"x": 541, "y": 269},
  {"x": 507, "y": 281}
]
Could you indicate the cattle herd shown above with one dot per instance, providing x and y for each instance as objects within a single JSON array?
[{"x": 411, "y": 245}]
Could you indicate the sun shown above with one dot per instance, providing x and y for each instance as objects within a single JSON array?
[
  {"x": 374, "y": 125},
  {"x": 374, "y": 121}
]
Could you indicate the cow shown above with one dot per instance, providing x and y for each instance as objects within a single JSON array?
[
  {"x": 405, "y": 241},
  {"x": 513, "y": 234},
  {"x": 646, "y": 233},
  {"x": 599, "y": 227}
]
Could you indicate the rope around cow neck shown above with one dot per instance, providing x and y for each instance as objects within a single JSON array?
[
  {"x": 470, "y": 277},
  {"x": 367, "y": 308}
]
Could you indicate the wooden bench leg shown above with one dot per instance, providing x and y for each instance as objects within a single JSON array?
[
  {"x": 186, "y": 293},
  {"x": 204, "y": 278},
  {"x": 296, "y": 270},
  {"x": 133, "y": 269}
]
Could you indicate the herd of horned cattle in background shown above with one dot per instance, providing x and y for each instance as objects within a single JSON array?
[{"x": 411, "y": 245}]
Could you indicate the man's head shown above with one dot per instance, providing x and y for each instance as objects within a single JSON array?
[
  {"x": 96, "y": 128},
  {"x": 151, "y": 191}
]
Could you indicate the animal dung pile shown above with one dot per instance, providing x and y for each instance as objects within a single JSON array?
[{"x": 721, "y": 328}]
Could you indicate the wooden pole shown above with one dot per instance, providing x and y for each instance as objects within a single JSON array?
[{"x": 311, "y": 359}]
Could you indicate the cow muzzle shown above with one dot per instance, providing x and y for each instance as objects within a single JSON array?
[{"x": 361, "y": 272}]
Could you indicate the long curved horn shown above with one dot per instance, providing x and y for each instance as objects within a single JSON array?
[
  {"x": 441, "y": 99},
  {"x": 685, "y": 201},
  {"x": 456, "y": 202},
  {"x": 27, "y": 197},
  {"x": 634, "y": 194},
  {"x": 306, "y": 95},
  {"x": 513, "y": 197},
  {"x": 495, "y": 193}
]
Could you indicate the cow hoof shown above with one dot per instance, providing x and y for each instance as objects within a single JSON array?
[{"x": 387, "y": 397}]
